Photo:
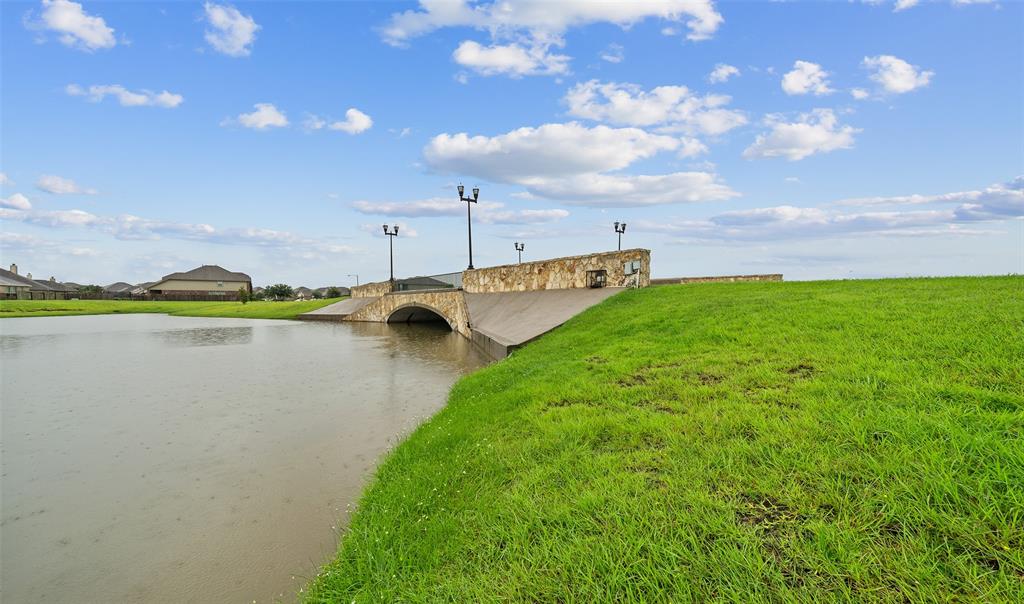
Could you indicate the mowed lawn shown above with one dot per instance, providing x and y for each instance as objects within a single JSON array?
[
  {"x": 749, "y": 442},
  {"x": 252, "y": 310}
]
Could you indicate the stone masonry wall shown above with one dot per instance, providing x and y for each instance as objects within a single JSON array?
[
  {"x": 369, "y": 290},
  {"x": 726, "y": 278},
  {"x": 558, "y": 273},
  {"x": 449, "y": 304}
]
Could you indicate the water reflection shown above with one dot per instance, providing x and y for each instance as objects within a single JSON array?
[
  {"x": 189, "y": 459},
  {"x": 211, "y": 336}
]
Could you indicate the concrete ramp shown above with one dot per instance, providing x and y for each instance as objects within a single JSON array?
[
  {"x": 338, "y": 310},
  {"x": 504, "y": 321}
]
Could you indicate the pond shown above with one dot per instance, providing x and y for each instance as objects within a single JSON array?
[{"x": 150, "y": 458}]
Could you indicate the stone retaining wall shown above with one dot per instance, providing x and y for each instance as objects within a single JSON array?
[
  {"x": 370, "y": 290},
  {"x": 726, "y": 278},
  {"x": 559, "y": 273}
]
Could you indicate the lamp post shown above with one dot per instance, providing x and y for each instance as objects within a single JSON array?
[
  {"x": 469, "y": 218},
  {"x": 620, "y": 228},
  {"x": 356, "y": 276},
  {"x": 391, "y": 234},
  {"x": 519, "y": 248}
]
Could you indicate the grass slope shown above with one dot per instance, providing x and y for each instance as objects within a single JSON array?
[
  {"x": 252, "y": 310},
  {"x": 857, "y": 440}
]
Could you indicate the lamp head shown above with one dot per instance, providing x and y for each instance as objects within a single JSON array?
[
  {"x": 396, "y": 229},
  {"x": 462, "y": 190},
  {"x": 385, "y": 228},
  {"x": 476, "y": 193}
]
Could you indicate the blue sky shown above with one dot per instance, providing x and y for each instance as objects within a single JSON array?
[{"x": 820, "y": 140}]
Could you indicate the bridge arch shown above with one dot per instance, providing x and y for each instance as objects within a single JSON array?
[{"x": 417, "y": 312}]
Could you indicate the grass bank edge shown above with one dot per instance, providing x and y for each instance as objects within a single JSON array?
[
  {"x": 251, "y": 310},
  {"x": 714, "y": 441}
]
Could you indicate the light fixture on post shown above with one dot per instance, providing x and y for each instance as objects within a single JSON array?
[
  {"x": 519, "y": 248},
  {"x": 620, "y": 228},
  {"x": 391, "y": 234},
  {"x": 356, "y": 275},
  {"x": 469, "y": 218}
]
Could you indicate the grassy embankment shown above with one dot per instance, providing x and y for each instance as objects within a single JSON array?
[
  {"x": 252, "y": 310},
  {"x": 859, "y": 440}
]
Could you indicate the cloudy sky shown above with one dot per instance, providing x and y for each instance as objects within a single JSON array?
[{"x": 820, "y": 140}]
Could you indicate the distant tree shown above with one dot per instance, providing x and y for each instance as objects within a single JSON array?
[
  {"x": 243, "y": 294},
  {"x": 333, "y": 292},
  {"x": 317, "y": 295},
  {"x": 90, "y": 289},
  {"x": 279, "y": 291},
  {"x": 256, "y": 295}
]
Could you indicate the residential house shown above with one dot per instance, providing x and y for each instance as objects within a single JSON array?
[
  {"x": 13, "y": 286},
  {"x": 342, "y": 291},
  {"x": 208, "y": 280},
  {"x": 38, "y": 289},
  {"x": 140, "y": 289},
  {"x": 118, "y": 289},
  {"x": 303, "y": 293}
]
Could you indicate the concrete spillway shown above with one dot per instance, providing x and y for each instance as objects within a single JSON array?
[{"x": 498, "y": 322}]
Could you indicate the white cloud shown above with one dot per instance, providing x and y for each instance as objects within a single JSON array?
[
  {"x": 4, "y": 180},
  {"x": 674, "y": 107},
  {"x": 998, "y": 200},
  {"x": 61, "y": 186},
  {"x": 902, "y": 5},
  {"x": 722, "y": 72},
  {"x": 16, "y": 202},
  {"x": 484, "y": 212},
  {"x": 859, "y": 93},
  {"x": 125, "y": 97},
  {"x": 896, "y": 75},
  {"x": 568, "y": 162},
  {"x": 265, "y": 116},
  {"x": 547, "y": 20},
  {"x": 74, "y": 27},
  {"x": 232, "y": 32},
  {"x": 994, "y": 204},
  {"x": 436, "y": 206},
  {"x": 355, "y": 122},
  {"x": 510, "y": 59},
  {"x": 816, "y": 132},
  {"x": 613, "y": 54},
  {"x": 618, "y": 191},
  {"x": 129, "y": 227},
  {"x": 794, "y": 179},
  {"x": 551, "y": 150},
  {"x": 377, "y": 230},
  {"x": 806, "y": 77}
]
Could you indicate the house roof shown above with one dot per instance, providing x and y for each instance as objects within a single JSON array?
[
  {"x": 9, "y": 279},
  {"x": 303, "y": 290},
  {"x": 423, "y": 281},
  {"x": 208, "y": 272},
  {"x": 118, "y": 287},
  {"x": 53, "y": 286}
]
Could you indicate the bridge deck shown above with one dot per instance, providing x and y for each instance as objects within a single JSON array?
[{"x": 338, "y": 310}]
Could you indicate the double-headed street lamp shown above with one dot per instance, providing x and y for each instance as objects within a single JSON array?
[
  {"x": 391, "y": 234},
  {"x": 519, "y": 248},
  {"x": 469, "y": 218},
  {"x": 620, "y": 228}
]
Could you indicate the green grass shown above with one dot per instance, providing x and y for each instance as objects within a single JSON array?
[
  {"x": 252, "y": 310},
  {"x": 829, "y": 441}
]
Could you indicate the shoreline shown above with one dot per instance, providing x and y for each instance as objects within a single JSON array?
[{"x": 12, "y": 309}]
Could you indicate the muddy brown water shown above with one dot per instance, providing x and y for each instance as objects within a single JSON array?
[{"x": 150, "y": 458}]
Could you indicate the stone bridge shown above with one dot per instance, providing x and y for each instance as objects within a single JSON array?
[{"x": 503, "y": 307}]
